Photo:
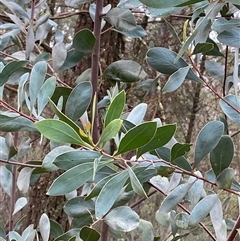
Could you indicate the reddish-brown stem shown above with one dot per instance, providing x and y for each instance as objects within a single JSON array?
[
  {"x": 20, "y": 164},
  {"x": 199, "y": 177},
  {"x": 95, "y": 67},
  {"x": 211, "y": 89},
  {"x": 117, "y": 159},
  {"x": 12, "y": 109},
  {"x": 234, "y": 231}
]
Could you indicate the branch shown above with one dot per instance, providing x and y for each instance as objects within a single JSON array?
[
  {"x": 10, "y": 88},
  {"x": 198, "y": 177},
  {"x": 12, "y": 109},
  {"x": 211, "y": 89},
  {"x": 234, "y": 231},
  {"x": 170, "y": 164},
  {"x": 68, "y": 14},
  {"x": 95, "y": 67},
  {"x": 235, "y": 133},
  {"x": 5, "y": 18},
  {"x": 20, "y": 164}
]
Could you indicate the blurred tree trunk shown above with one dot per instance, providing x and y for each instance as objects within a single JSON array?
[{"x": 112, "y": 46}]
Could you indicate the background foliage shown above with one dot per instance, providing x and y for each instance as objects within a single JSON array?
[{"x": 119, "y": 120}]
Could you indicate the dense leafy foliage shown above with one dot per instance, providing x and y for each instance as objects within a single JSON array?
[{"x": 130, "y": 156}]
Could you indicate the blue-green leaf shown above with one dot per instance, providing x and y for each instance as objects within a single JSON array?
[
  {"x": 223, "y": 24},
  {"x": 163, "y": 60},
  {"x": 78, "y": 207},
  {"x": 15, "y": 123},
  {"x": 79, "y": 100},
  {"x": 176, "y": 79},
  {"x": 221, "y": 156},
  {"x": 37, "y": 78},
  {"x": 137, "y": 32},
  {"x": 68, "y": 235},
  {"x": 71, "y": 158},
  {"x": 9, "y": 69},
  {"x": 73, "y": 57},
  {"x": 21, "y": 89},
  {"x": 195, "y": 192},
  {"x": 137, "y": 114},
  {"x": 59, "y": 54},
  {"x": 230, "y": 37},
  {"x": 109, "y": 194},
  {"x": 2, "y": 233},
  {"x": 216, "y": 215},
  {"x": 45, "y": 92},
  {"x": 167, "y": 4},
  {"x": 122, "y": 219},
  {"x": 135, "y": 183},
  {"x": 174, "y": 197},
  {"x": 228, "y": 110},
  {"x": 202, "y": 209},
  {"x": 203, "y": 26},
  {"x": 97, "y": 188},
  {"x": 6, "y": 180},
  {"x": 125, "y": 71},
  {"x": 71, "y": 179},
  {"x": 44, "y": 227},
  {"x": 55, "y": 229},
  {"x": 225, "y": 178},
  {"x": 207, "y": 139},
  {"x": 47, "y": 163},
  {"x": 121, "y": 19}
]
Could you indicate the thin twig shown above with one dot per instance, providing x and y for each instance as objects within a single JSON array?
[
  {"x": 234, "y": 230},
  {"x": 142, "y": 199},
  {"x": 235, "y": 133},
  {"x": 20, "y": 164},
  {"x": 211, "y": 89},
  {"x": 119, "y": 158},
  {"x": 68, "y": 14},
  {"x": 12, "y": 109}
]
